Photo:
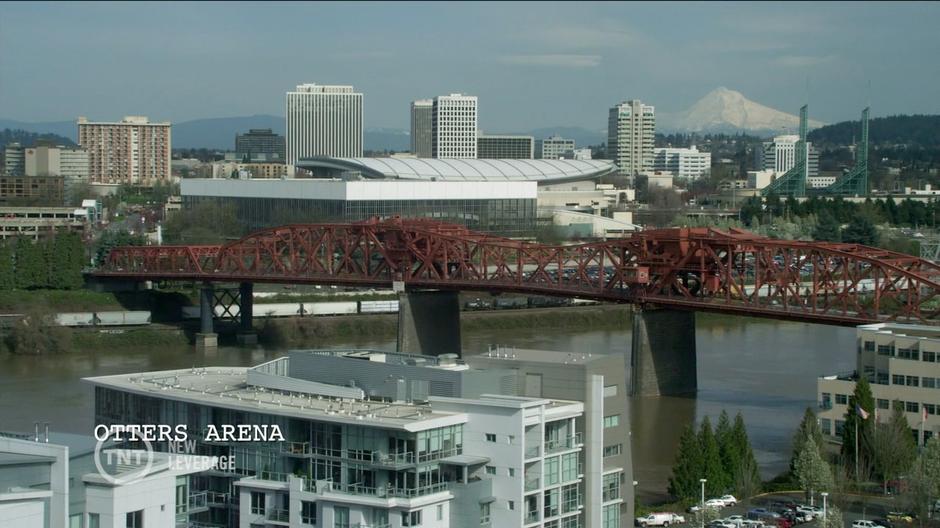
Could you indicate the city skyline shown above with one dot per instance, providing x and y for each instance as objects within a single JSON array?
[{"x": 779, "y": 56}]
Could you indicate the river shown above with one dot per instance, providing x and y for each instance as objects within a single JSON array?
[{"x": 764, "y": 369}]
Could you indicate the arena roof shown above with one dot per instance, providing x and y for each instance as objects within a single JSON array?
[{"x": 542, "y": 171}]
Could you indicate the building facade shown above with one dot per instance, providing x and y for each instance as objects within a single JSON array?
[
  {"x": 631, "y": 130},
  {"x": 421, "y": 116},
  {"x": 323, "y": 121},
  {"x": 260, "y": 145},
  {"x": 32, "y": 190},
  {"x": 685, "y": 163},
  {"x": 454, "y": 126},
  {"x": 133, "y": 151},
  {"x": 36, "y": 222},
  {"x": 14, "y": 160},
  {"x": 553, "y": 148},
  {"x": 902, "y": 364},
  {"x": 505, "y": 147},
  {"x": 401, "y": 441},
  {"x": 70, "y": 164},
  {"x": 779, "y": 155}
]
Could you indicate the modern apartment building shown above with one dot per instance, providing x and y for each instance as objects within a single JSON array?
[
  {"x": 779, "y": 155},
  {"x": 631, "y": 130},
  {"x": 505, "y": 147},
  {"x": 71, "y": 164},
  {"x": 902, "y": 363},
  {"x": 260, "y": 145},
  {"x": 323, "y": 121},
  {"x": 454, "y": 126},
  {"x": 684, "y": 163},
  {"x": 133, "y": 151},
  {"x": 370, "y": 439},
  {"x": 421, "y": 116},
  {"x": 553, "y": 148},
  {"x": 599, "y": 381},
  {"x": 14, "y": 160}
]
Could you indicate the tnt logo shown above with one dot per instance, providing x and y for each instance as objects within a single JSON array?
[{"x": 123, "y": 466}]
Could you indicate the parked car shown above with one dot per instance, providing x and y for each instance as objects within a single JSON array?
[
  {"x": 900, "y": 517},
  {"x": 883, "y": 522},
  {"x": 784, "y": 523},
  {"x": 810, "y": 510},
  {"x": 760, "y": 514},
  {"x": 736, "y": 520},
  {"x": 715, "y": 503},
  {"x": 862, "y": 523},
  {"x": 729, "y": 500},
  {"x": 659, "y": 519}
]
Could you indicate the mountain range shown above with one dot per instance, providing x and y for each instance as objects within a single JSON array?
[{"x": 721, "y": 110}]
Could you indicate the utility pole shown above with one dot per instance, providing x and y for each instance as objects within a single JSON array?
[{"x": 702, "y": 511}]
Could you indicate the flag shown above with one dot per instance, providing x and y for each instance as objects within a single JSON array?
[
  {"x": 923, "y": 414},
  {"x": 861, "y": 412}
]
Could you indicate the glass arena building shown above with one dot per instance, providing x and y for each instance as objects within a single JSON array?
[{"x": 487, "y": 195}]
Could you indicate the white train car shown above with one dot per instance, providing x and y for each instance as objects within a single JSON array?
[
  {"x": 378, "y": 307},
  {"x": 75, "y": 319},
  {"x": 278, "y": 309},
  {"x": 331, "y": 308},
  {"x": 122, "y": 318}
]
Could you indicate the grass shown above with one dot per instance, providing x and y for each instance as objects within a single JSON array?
[{"x": 17, "y": 301}]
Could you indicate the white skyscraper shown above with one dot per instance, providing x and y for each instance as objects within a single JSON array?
[
  {"x": 779, "y": 156},
  {"x": 684, "y": 163},
  {"x": 454, "y": 126},
  {"x": 631, "y": 128},
  {"x": 323, "y": 121}
]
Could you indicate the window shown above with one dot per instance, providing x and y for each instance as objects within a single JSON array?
[
  {"x": 182, "y": 495},
  {"x": 885, "y": 350},
  {"x": 569, "y": 467},
  {"x": 911, "y": 407},
  {"x": 907, "y": 353},
  {"x": 929, "y": 357},
  {"x": 341, "y": 517},
  {"x": 490, "y": 470},
  {"x": 570, "y": 498},
  {"x": 930, "y": 408},
  {"x": 840, "y": 427},
  {"x": 257, "y": 503},
  {"x": 512, "y": 505},
  {"x": 94, "y": 520},
  {"x": 869, "y": 346},
  {"x": 573, "y": 521},
  {"x": 881, "y": 377},
  {"x": 611, "y": 516},
  {"x": 512, "y": 472},
  {"x": 75, "y": 521},
  {"x": 551, "y": 471},
  {"x": 440, "y": 512},
  {"x": 929, "y": 383},
  {"x": 134, "y": 519},
  {"x": 611, "y": 421},
  {"x": 613, "y": 450},
  {"x": 485, "y": 514},
  {"x": 550, "y": 500},
  {"x": 912, "y": 381},
  {"x": 490, "y": 437},
  {"x": 826, "y": 425},
  {"x": 826, "y": 400},
  {"x": 308, "y": 512},
  {"x": 610, "y": 391},
  {"x": 611, "y": 487},
  {"x": 842, "y": 399},
  {"x": 883, "y": 404},
  {"x": 897, "y": 379}
]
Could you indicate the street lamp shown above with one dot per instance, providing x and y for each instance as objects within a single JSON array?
[
  {"x": 702, "y": 511},
  {"x": 824, "y": 495}
]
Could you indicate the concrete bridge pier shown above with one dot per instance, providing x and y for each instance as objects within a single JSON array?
[
  {"x": 429, "y": 322},
  {"x": 246, "y": 335},
  {"x": 663, "y": 354},
  {"x": 206, "y": 338}
]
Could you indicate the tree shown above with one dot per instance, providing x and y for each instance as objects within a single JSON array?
[
  {"x": 747, "y": 476},
  {"x": 712, "y": 468},
  {"x": 893, "y": 446},
  {"x": 808, "y": 430},
  {"x": 7, "y": 277},
  {"x": 688, "y": 468},
  {"x": 36, "y": 334},
  {"x": 863, "y": 398},
  {"x": 861, "y": 230},
  {"x": 30, "y": 266},
  {"x": 833, "y": 518},
  {"x": 827, "y": 229},
  {"x": 924, "y": 480},
  {"x": 729, "y": 451},
  {"x": 811, "y": 470}
]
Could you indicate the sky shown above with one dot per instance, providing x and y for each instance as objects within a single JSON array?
[{"x": 532, "y": 65}]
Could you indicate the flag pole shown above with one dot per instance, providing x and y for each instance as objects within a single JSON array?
[{"x": 857, "y": 417}]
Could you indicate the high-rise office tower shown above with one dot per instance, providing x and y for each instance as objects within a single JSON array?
[
  {"x": 323, "y": 121},
  {"x": 552, "y": 148},
  {"x": 631, "y": 128},
  {"x": 454, "y": 126},
  {"x": 260, "y": 145},
  {"x": 779, "y": 155},
  {"x": 505, "y": 147},
  {"x": 421, "y": 111},
  {"x": 133, "y": 151}
]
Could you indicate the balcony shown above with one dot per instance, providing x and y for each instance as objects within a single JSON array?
[
  {"x": 197, "y": 502},
  {"x": 532, "y": 452},
  {"x": 215, "y": 498},
  {"x": 362, "y": 525},
  {"x": 531, "y": 484},
  {"x": 278, "y": 515},
  {"x": 380, "y": 492},
  {"x": 563, "y": 444},
  {"x": 296, "y": 448},
  {"x": 531, "y": 517}
]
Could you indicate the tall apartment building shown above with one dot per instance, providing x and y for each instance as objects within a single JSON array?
[
  {"x": 373, "y": 439},
  {"x": 133, "y": 151},
  {"x": 505, "y": 147},
  {"x": 454, "y": 126},
  {"x": 323, "y": 121},
  {"x": 902, "y": 363},
  {"x": 14, "y": 160},
  {"x": 260, "y": 145},
  {"x": 779, "y": 155},
  {"x": 631, "y": 127},
  {"x": 553, "y": 147},
  {"x": 684, "y": 163},
  {"x": 421, "y": 112}
]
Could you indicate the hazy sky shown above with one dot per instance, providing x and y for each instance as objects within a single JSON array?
[{"x": 532, "y": 64}]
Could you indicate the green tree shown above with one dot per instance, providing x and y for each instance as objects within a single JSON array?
[
  {"x": 924, "y": 480},
  {"x": 712, "y": 468},
  {"x": 808, "y": 430},
  {"x": 811, "y": 470},
  {"x": 827, "y": 229},
  {"x": 833, "y": 518},
  {"x": 30, "y": 265},
  {"x": 861, "y": 397},
  {"x": 861, "y": 230},
  {"x": 747, "y": 476},
  {"x": 36, "y": 334},
  {"x": 67, "y": 262},
  {"x": 7, "y": 267},
  {"x": 893, "y": 446},
  {"x": 688, "y": 467},
  {"x": 730, "y": 454}
]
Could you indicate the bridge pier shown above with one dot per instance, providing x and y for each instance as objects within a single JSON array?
[
  {"x": 246, "y": 335},
  {"x": 206, "y": 338},
  {"x": 429, "y": 322},
  {"x": 663, "y": 354}
]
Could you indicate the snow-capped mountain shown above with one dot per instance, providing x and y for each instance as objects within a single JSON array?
[{"x": 724, "y": 110}]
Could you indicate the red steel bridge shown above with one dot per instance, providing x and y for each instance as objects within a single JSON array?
[{"x": 702, "y": 269}]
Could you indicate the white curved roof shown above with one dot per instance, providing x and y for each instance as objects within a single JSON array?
[{"x": 467, "y": 169}]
